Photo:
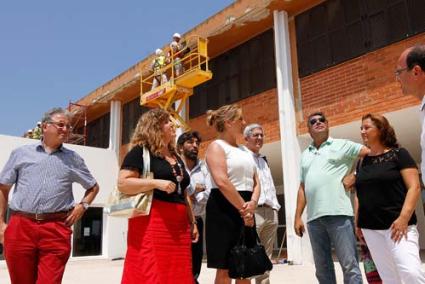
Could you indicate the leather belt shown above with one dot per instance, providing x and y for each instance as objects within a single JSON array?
[
  {"x": 264, "y": 205},
  {"x": 55, "y": 216}
]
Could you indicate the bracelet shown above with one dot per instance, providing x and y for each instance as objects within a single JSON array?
[{"x": 194, "y": 222}]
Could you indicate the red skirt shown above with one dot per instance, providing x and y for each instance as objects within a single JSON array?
[{"x": 159, "y": 246}]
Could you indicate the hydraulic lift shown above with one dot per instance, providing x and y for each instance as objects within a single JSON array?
[{"x": 173, "y": 94}]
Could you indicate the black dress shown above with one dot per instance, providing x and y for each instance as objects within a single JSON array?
[{"x": 223, "y": 228}]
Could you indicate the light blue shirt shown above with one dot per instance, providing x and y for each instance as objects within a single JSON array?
[
  {"x": 322, "y": 171},
  {"x": 43, "y": 181}
]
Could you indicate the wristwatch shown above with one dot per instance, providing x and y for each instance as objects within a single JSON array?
[{"x": 85, "y": 205}]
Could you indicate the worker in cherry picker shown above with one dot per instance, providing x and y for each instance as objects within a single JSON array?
[
  {"x": 178, "y": 50},
  {"x": 157, "y": 67}
]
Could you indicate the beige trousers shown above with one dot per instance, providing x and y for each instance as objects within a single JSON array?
[{"x": 266, "y": 221}]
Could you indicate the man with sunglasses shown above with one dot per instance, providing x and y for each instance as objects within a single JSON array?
[
  {"x": 410, "y": 73},
  {"x": 266, "y": 219},
  {"x": 324, "y": 164},
  {"x": 37, "y": 238}
]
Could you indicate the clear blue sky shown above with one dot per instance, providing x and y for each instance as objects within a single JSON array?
[{"x": 54, "y": 51}]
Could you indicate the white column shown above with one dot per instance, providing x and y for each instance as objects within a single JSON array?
[
  {"x": 115, "y": 127},
  {"x": 183, "y": 114},
  {"x": 291, "y": 152}
]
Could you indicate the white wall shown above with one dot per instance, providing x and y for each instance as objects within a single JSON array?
[{"x": 103, "y": 165}]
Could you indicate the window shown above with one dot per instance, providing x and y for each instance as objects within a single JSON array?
[
  {"x": 338, "y": 30},
  {"x": 87, "y": 233},
  {"x": 98, "y": 132},
  {"x": 239, "y": 73},
  {"x": 131, "y": 113}
]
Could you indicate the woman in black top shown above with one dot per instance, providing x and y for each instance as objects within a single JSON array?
[
  {"x": 158, "y": 245},
  {"x": 388, "y": 188}
]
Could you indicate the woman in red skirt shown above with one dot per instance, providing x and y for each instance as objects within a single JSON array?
[{"x": 158, "y": 245}]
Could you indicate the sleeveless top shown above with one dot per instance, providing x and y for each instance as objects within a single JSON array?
[{"x": 240, "y": 167}]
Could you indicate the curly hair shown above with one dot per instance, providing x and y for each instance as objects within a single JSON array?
[
  {"x": 218, "y": 117},
  {"x": 387, "y": 134},
  {"x": 148, "y": 131}
]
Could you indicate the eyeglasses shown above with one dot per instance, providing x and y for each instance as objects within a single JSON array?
[
  {"x": 313, "y": 121},
  {"x": 61, "y": 125},
  {"x": 398, "y": 72},
  {"x": 257, "y": 135}
]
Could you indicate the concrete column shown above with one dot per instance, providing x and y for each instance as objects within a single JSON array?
[
  {"x": 291, "y": 152},
  {"x": 115, "y": 127},
  {"x": 183, "y": 113}
]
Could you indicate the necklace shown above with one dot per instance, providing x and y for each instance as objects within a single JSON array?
[{"x": 179, "y": 176}]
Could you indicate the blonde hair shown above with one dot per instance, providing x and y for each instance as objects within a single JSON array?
[
  {"x": 148, "y": 131},
  {"x": 218, "y": 117}
]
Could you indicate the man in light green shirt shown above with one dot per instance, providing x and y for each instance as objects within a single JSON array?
[{"x": 324, "y": 164}]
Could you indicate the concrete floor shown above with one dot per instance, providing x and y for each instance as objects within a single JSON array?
[{"x": 109, "y": 272}]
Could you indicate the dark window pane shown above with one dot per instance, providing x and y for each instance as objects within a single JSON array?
[
  {"x": 398, "y": 24},
  {"x": 317, "y": 21},
  {"x": 241, "y": 72},
  {"x": 352, "y": 10},
  {"x": 416, "y": 15},
  {"x": 350, "y": 28},
  {"x": 339, "y": 48},
  {"x": 378, "y": 29},
  {"x": 98, "y": 132},
  {"x": 335, "y": 14},
  {"x": 302, "y": 24},
  {"x": 322, "y": 54},
  {"x": 356, "y": 39},
  {"x": 131, "y": 114},
  {"x": 87, "y": 233}
]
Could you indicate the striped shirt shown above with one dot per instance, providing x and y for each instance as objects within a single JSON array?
[{"x": 43, "y": 181}]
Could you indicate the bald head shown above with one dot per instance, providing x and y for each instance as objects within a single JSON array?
[{"x": 410, "y": 71}]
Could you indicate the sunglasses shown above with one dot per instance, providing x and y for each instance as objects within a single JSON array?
[{"x": 313, "y": 121}]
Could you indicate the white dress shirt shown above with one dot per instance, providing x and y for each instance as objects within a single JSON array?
[
  {"x": 268, "y": 190},
  {"x": 199, "y": 175},
  {"x": 423, "y": 139}
]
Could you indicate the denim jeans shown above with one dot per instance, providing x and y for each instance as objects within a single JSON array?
[{"x": 339, "y": 231}]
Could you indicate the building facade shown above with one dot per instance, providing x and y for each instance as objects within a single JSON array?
[{"x": 281, "y": 60}]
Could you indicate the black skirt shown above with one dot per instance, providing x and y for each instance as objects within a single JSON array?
[{"x": 223, "y": 226}]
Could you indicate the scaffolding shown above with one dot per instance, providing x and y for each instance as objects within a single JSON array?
[
  {"x": 78, "y": 134},
  {"x": 173, "y": 94}
]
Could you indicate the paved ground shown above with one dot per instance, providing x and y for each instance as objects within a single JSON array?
[
  {"x": 109, "y": 272},
  {"x": 106, "y": 271}
]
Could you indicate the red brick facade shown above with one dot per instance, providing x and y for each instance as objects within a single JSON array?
[{"x": 365, "y": 84}]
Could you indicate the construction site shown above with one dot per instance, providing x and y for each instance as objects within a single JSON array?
[{"x": 280, "y": 61}]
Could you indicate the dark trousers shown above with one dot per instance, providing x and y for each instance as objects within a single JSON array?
[{"x": 198, "y": 250}]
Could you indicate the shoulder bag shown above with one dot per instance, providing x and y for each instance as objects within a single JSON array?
[
  {"x": 244, "y": 261},
  {"x": 128, "y": 206}
]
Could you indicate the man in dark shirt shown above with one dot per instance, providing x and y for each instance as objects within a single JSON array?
[{"x": 37, "y": 239}]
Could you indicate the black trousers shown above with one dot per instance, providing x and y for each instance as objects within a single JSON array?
[{"x": 198, "y": 250}]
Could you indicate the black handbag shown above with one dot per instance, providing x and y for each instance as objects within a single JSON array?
[{"x": 244, "y": 261}]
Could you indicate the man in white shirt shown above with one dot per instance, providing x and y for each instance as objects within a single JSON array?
[
  {"x": 410, "y": 73},
  {"x": 188, "y": 147},
  {"x": 268, "y": 206}
]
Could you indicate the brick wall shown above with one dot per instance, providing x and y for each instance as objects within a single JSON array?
[
  {"x": 344, "y": 92},
  {"x": 261, "y": 108},
  {"x": 365, "y": 84}
]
